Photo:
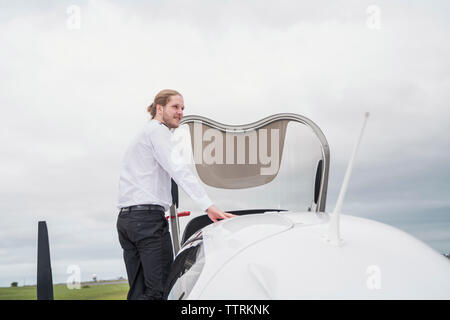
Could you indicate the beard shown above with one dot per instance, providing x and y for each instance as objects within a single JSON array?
[{"x": 170, "y": 121}]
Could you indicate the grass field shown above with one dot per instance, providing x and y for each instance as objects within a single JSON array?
[{"x": 61, "y": 292}]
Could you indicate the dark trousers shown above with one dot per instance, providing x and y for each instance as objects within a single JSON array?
[{"x": 147, "y": 251}]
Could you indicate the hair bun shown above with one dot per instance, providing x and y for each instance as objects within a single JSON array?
[{"x": 150, "y": 107}]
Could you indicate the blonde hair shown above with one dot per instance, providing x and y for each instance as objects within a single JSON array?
[{"x": 162, "y": 98}]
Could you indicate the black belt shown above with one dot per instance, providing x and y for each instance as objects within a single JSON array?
[{"x": 143, "y": 207}]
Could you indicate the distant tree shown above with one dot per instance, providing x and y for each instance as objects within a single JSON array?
[{"x": 14, "y": 284}]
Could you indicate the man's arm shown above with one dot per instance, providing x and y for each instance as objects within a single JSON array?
[{"x": 163, "y": 146}]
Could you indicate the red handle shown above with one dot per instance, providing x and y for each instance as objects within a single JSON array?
[
  {"x": 184, "y": 213},
  {"x": 180, "y": 214}
]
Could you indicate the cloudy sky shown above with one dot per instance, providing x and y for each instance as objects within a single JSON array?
[{"x": 76, "y": 77}]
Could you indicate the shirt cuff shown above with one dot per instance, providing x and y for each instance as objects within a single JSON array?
[{"x": 204, "y": 203}]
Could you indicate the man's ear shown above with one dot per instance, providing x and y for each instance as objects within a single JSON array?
[{"x": 159, "y": 108}]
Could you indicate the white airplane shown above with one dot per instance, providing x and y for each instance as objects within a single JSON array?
[{"x": 283, "y": 244}]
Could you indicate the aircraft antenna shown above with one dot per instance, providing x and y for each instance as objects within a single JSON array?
[{"x": 333, "y": 236}]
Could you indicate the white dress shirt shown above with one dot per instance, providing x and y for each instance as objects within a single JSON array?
[{"x": 149, "y": 165}]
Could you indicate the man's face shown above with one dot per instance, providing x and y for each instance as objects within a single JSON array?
[{"x": 173, "y": 112}]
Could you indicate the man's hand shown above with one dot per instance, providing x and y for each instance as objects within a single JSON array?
[{"x": 214, "y": 214}]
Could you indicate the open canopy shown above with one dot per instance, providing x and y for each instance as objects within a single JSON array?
[{"x": 280, "y": 161}]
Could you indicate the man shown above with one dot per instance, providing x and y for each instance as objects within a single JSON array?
[{"x": 145, "y": 195}]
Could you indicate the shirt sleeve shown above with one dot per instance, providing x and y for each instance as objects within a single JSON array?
[{"x": 165, "y": 153}]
